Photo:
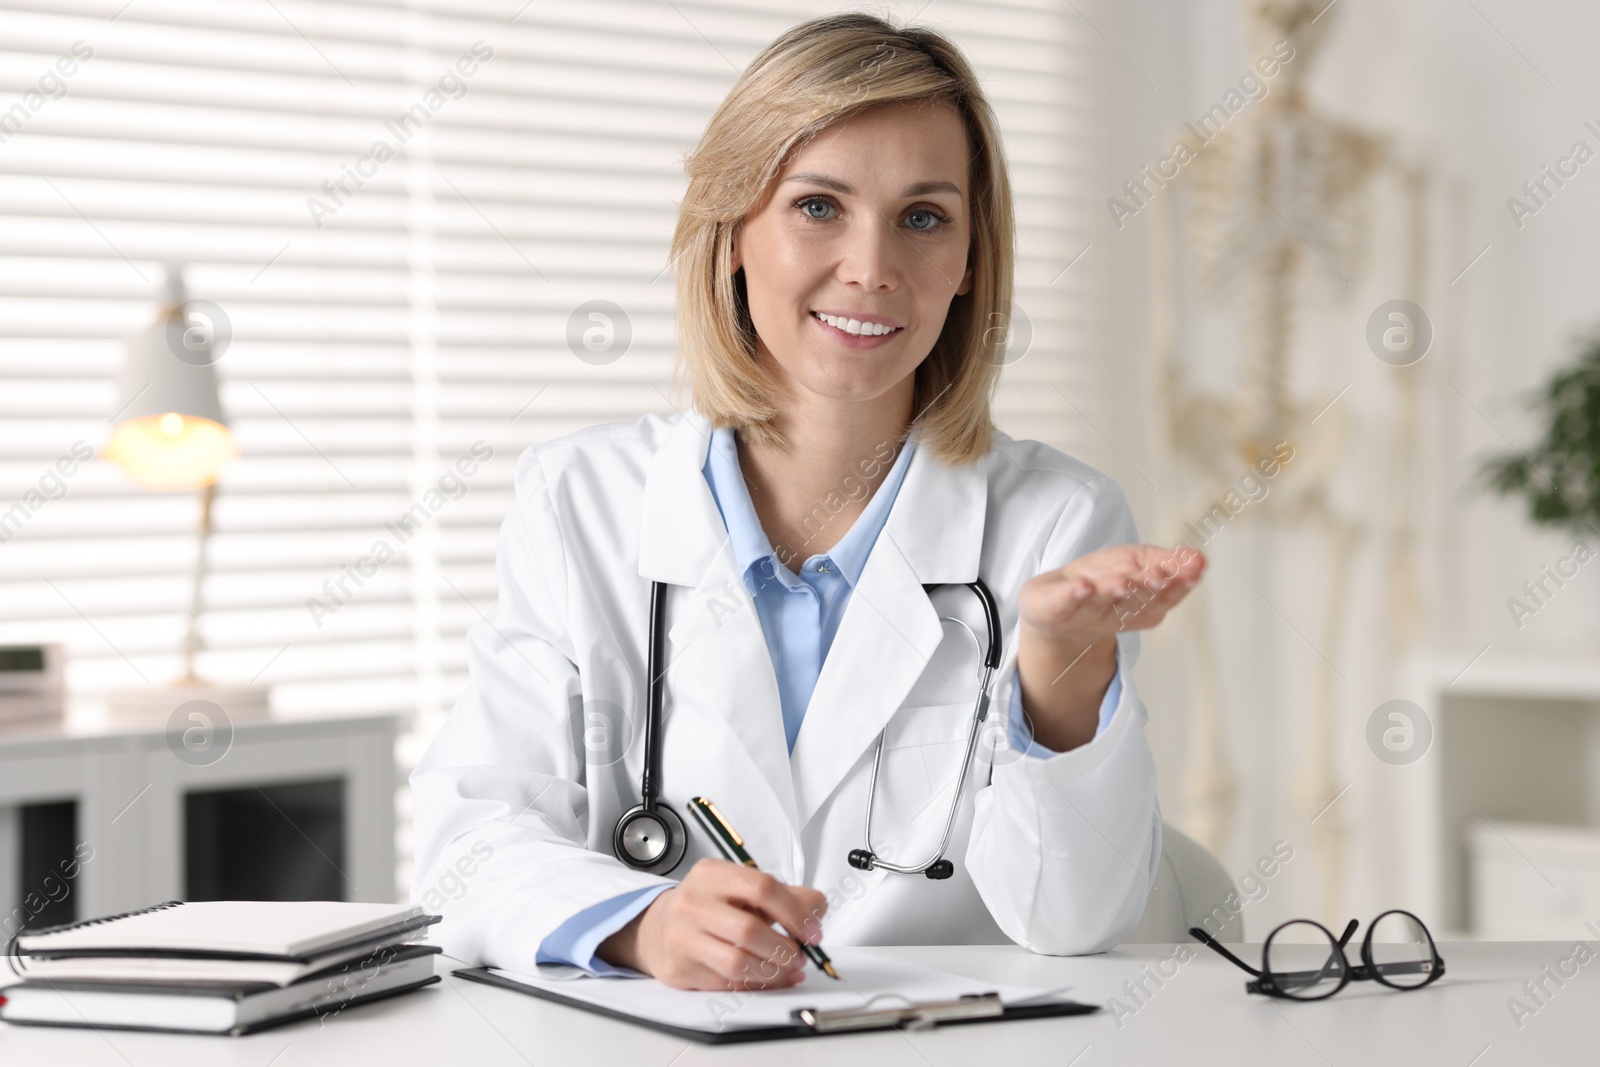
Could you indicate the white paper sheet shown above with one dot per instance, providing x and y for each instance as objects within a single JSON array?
[{"x": 863, "y": 975}]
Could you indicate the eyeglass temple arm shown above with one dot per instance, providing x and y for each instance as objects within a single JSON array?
[
  {"x": 1217, "y": 947},
  {"x": 1349, "y": 932}
]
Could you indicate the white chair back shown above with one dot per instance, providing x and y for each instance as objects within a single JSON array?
[{"x": 1192, "y": 889}]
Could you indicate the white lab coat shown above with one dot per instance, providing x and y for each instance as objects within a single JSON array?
[{"x": 515, "y": 800}]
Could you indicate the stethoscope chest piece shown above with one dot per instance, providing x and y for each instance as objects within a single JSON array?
[{"x": 649, "y": 840}]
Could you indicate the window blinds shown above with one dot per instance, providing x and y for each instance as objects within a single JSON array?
[{"x": 397, "y": 204}]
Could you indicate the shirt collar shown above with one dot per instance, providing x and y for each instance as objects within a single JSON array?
[{"x": 749, "y": 541}]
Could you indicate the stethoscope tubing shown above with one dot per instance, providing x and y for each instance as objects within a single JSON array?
[
  {"x": 650, "y": 783},
  {"x": 672, "y": 828},
  {"x": 981, "y": 713}
]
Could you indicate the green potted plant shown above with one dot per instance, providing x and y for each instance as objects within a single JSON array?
[{"x": 1560, "y": 475}]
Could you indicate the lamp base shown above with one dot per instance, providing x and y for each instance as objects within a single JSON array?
[{"x": 155, "y": 705}]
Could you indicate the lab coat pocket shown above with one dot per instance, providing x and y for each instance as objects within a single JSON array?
[{"x": 922, "y": 749}]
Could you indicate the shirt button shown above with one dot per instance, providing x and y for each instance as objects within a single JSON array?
[{"x": 822, "y": 566}]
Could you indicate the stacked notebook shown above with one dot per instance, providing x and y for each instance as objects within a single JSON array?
[{"x": 221, "y": 967}]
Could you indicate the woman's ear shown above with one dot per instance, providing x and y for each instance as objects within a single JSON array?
[
  {"x": 733, "y": 252},
  {"x": 966, "y": 283}
]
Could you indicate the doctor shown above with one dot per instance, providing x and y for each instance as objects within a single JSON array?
[{"x": 845, "y": 270}]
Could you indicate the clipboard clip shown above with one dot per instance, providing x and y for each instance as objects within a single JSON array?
[{"x": 923, "y": 1015}]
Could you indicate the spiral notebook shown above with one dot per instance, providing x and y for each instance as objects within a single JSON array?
[
  {"x": 223, "y": 967},
  {"x": 293, "y": 930}
]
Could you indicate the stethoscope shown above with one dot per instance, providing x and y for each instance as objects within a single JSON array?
[{"x": 651, "y": 836}]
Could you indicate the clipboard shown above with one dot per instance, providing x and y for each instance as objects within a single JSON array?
[{"x": 923, "y": 1015}]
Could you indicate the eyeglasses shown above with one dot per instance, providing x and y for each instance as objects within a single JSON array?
[{"x": 1302, "y": 960}]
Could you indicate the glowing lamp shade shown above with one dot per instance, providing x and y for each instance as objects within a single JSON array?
[
  {"x": 169, "y": 432},
  {"x": 170, "y": 451}
]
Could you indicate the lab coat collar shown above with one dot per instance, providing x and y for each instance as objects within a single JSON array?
[
  {"x": 681, "y": 531},
  {"x": 934, "y": 534}
]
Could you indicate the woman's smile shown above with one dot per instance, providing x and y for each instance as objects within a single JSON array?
[{"x": 853, "y": 333}]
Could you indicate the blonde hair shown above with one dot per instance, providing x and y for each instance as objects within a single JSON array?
[{"x": 816, "y": 74}]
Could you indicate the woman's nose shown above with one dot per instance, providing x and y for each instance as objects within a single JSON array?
[{"x": 873, "y": 253}]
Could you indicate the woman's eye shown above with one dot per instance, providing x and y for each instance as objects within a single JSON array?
[
  {"x": 815, "y": 201},
  {"x": 920, "y": 220}
]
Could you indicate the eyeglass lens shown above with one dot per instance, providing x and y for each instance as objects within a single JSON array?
[
  {"x": 1402, "y": 951},
  {"x": 1303, "y": 960}
]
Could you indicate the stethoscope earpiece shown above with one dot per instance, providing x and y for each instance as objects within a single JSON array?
[{"x": 863, "y": 859}]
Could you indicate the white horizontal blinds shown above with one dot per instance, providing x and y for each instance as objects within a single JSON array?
[
  {"x": 579, "y": 204},
  {"x": 603, "y": 100},
  {"x": 194, "y": 133},
  {"x": 390, "y": 313},
  {"x": 1045, "y": 77},
  {"x": 1038, "y": 65}
]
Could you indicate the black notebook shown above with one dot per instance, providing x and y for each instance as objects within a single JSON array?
[{"x": 218, "y": 1007}]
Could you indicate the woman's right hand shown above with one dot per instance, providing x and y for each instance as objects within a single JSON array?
[{"x": 714, "y": 930}]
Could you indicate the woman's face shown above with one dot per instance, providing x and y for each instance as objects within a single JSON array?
[{"x": 869, "y": 221}]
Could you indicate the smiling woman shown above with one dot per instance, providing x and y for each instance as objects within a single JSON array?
[{"x": 844, "y": 254}]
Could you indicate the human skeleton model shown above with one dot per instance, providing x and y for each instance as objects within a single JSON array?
[{"x": 1277, "y": 194}]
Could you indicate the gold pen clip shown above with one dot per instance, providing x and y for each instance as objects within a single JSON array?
[{"x": 711, "y": 809}]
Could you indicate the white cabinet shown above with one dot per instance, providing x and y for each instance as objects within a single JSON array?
[
  {"x": 1514, "y": 756},
  {"x": 1534, "y": 882},
  {"x": 135, "y": 791}
]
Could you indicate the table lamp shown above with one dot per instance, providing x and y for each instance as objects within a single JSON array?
[{"x": 169, "y": 434}]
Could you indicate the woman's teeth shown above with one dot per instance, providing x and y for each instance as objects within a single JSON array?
[{"x": 860, "y": 329}]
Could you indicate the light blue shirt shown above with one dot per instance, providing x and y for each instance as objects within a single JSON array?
[{"x": 799, "y": 615}]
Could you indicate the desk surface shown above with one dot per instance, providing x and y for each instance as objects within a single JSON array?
[{"x": 1200, "y": 1014}]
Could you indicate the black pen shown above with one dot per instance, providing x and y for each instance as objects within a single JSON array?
[{"x": 731, "y": 845}]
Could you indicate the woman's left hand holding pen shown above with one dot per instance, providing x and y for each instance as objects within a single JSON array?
[{"x": 714, "y": 930}]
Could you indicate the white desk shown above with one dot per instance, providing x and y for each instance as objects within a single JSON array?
[{"x": 1200, "y": 1016}]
